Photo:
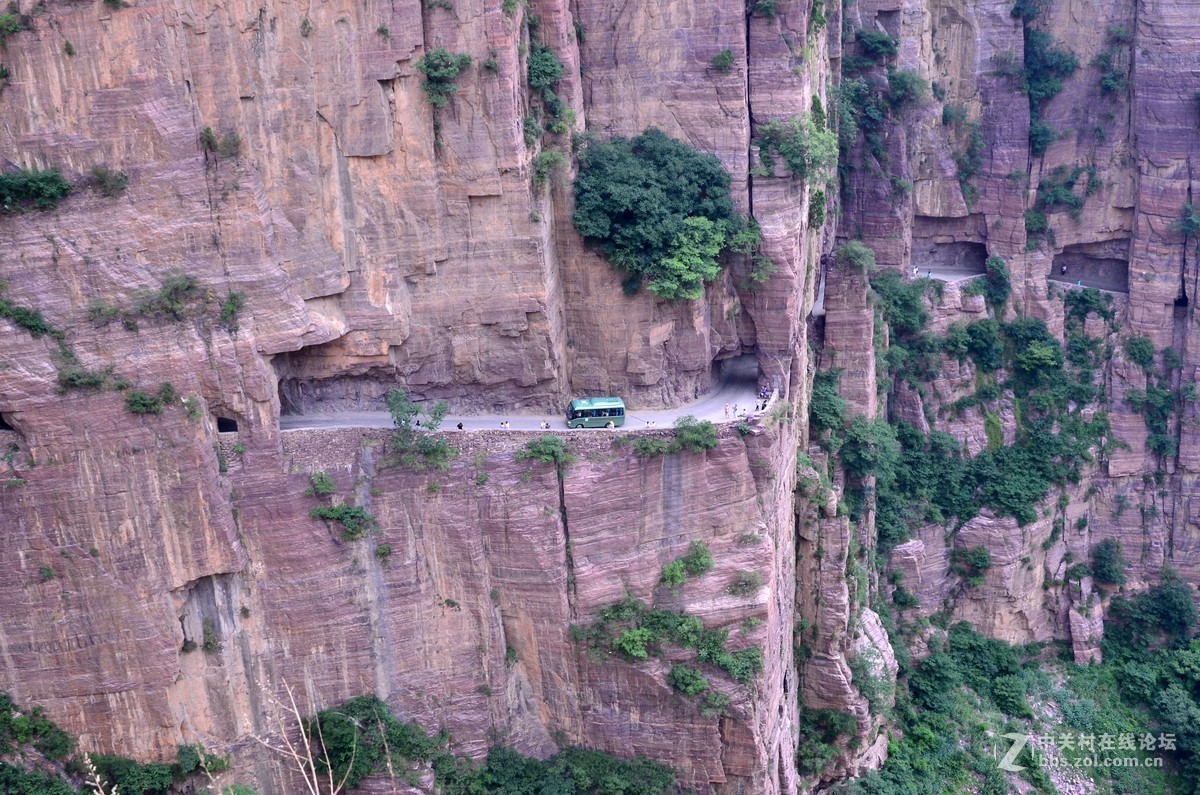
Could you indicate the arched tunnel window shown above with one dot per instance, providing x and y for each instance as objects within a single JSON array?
[{"x": 226, "y": 425}]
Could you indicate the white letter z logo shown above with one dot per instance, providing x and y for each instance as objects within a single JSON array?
[{"x": 1019, "y": 741}]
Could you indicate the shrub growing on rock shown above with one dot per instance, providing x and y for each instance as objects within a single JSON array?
[
  {"x": 31, "y": 188},
  {"x": 1108, "y": 562},
  {"x": 659, "y": 210},
  {"x": 687, "y": 680},
  {"x": 723, "y": 61},
  {"x": 440, "y": 68},
  {"x": 809, "y": 150}
]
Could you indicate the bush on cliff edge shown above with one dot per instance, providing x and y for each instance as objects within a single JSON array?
[{"x": 659, "y": 210}]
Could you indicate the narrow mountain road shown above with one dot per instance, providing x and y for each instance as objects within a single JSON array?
[
  {"x": 739, "y": 387},
  {"x": 937, "y": 274}
]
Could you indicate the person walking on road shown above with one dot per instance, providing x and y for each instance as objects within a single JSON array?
[{"x": 726, "y": 411}]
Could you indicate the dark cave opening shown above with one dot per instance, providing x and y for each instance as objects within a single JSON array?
[{"x": 226, "y": 425}]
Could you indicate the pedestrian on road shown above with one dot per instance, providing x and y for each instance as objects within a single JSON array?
[
  {"x": 735, "y": 409},
  {"x": 726, "y": 411},
  {"x": 915, "y": 271},
  {"x": 1064, "y": 270},
  {"x": 1079, "y": 282},
  {"x": 929, "y": 274},
  {"x": 460, "y": 426}
]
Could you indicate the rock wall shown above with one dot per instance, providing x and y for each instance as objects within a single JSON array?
[
  {"x": 910, "y": 205},
  {"x": 168, "y": 582}
]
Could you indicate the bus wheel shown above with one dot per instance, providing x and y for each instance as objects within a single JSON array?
[{"x": 609, "y": 425}]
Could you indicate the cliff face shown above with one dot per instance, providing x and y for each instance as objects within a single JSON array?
[
  {"x": 167, "y": 580},
  {"x": 913, "y": 201},
  {"x": 379, "y": 242}
]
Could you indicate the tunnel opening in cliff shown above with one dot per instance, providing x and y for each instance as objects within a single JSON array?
[
  {"x": 226, "y": 425},
  {"x": 1103, "y": 265},
  {"x": 955, "y": 257},
  {"x": 5, "y": 425},
  {"x": 333, "y": 376}
]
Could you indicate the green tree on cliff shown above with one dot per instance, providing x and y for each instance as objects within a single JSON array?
[{"x": 659, "y": 210}]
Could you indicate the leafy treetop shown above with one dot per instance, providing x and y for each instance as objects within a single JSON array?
[{"x": 659, "y": 210}]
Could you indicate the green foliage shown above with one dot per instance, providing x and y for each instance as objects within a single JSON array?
[
  {"x": 954, "y": 115},
  {"x": 441, "y": 67},
  {"x": 1046, "y": 66},
  {"x": 1028, "y": 10},
  {"x": 210, "y": 643},
  {"x": 820, "y": 730},
  {"x": 73, "y": 376},
  {"x": 632, "y": 643},
  {"x": 132, "y": 778},
  {"x": 905, "y": 87},
  {"x": 1156, "y": 403},
  {"x": 1041, "y": 135},
  {"x": 11, "y": 24},
  {"x": 870, "y": 448},
  {"x": 765, "y": 7},
  {"x": 826, "y": 408},
  {"x": 723, "y": 61},
  {"x": 177, "y": 293},
  {"x": 649, "y": 447},
  {"x": 413, "y": 444},
  {"x": 625, "y": 621},
  {"x": 1108, "y": 562},
  {"x": 969, "y": 161},
  {"x": 1140, "y": 351},
  {"x": 546, "y": 164},
  {"x": 673, "y": 574},
  {"x": 687, "y": 680},
  {"x": 971, "y": 563},
  {"x": 853, "y": 254},
  {"x": 997, "y": 283},
  {"x": 355, "y": 520},
  {"x": 1164, "y": 613},
  {"x": 110, "y": 183},
  {"x": 532, "y": 130},
  {"x": 1188, "y": 224},
  {"x": 745, "y": 583},
  {"x": 548, "y": 449},
  {"x": 1114, "y": 77},
  {"x": 545, "y": 70},
  {"x": 21, "y": 782},
  {"x": 901, "y": 303},
  {"x": 877, "y": 45},
  {"x": 994, "y": 432},
  {"x": 873, "y": 687},
  {"x": 31, "y": 320},
  {"x": 691, "y": 261},
  {"x": 234, "y": 303},
  {"x": 659, "y": 211},
  {"x": 695, "y": 435},
  {"x": 321, "y": 485},
  {"x": 31, "y": 188},
  {"x": 140, "y": 402},
  {"x": 698, "y": 559},
  {"x": 816, "y": 209},
  {"x": 1057, "y": 190},
  {"x": 809, "y": 150}
]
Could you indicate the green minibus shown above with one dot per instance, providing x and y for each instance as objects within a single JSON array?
[{"x": 601, "y": 412}]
